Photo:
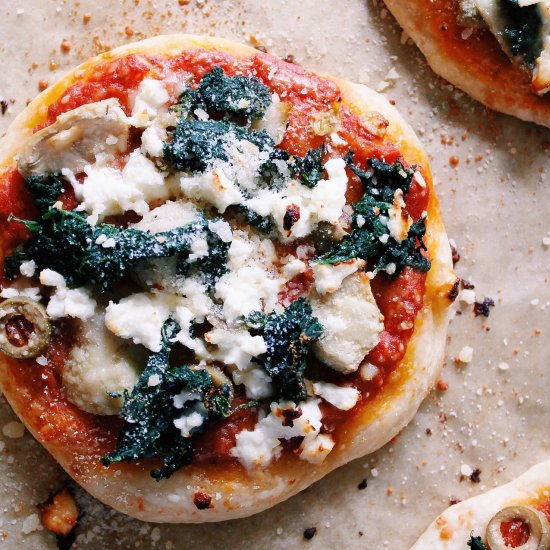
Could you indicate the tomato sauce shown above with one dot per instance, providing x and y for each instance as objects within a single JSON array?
[
  {"x": 515, "y": 533},
  {"x": 399, "y": 299}
]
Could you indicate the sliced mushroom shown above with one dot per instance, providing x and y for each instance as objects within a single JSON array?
[
  {"x": 539, "y": 529},
  {"x": 75, "y": 138},
  {"x": 30, "y": 325}
]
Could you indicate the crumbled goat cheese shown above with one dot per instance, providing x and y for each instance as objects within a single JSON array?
[
  {"x": 186, "y": 423},
  {"x": 315, "y": 450},
  {"x": 257, "y": 448},
  {"x": 467, "y": 296},
  {"x": 343, "y": 398},
  {"x": 256, "y": 381},
  {"x": 150, "y": 98},
  {"x": 399, "y": 221},
  {"x": 235, "y": 347},
  {"x": 27, "y": 269},
  {"x": 67, "y": 302}
]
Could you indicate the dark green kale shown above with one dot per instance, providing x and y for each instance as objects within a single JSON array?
[
  {"x": 476, "y": 543},
  {"x": 523, "y": 30},
  {"x": 148, "y": 411},
  {"x": 369, "y": 238},
  {"x": 65, "y": 242},
  {"x": 288, "y": 337},
  {"x": 383, "y": 180},
  {"x": 264, "y": 224},
  {"x": 234, "y": 95},
  {"x": 211, "y": 267},
  {"x": 310, "y": 167},
  {"x": 45, "y": 189},
  {"x": 195, "y": 143}
]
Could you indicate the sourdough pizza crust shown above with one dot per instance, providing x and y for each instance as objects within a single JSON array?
[
  {"x": 474, "y": 62},
  {"x": 451, "y": 530},
  {"x": 234, "y": 491}
]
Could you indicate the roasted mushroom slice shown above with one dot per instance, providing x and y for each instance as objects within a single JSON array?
[
  {"x": 25, "y": 330},
  {"x": 75, "y": 138},
  {"x": 539, "y": 529}
]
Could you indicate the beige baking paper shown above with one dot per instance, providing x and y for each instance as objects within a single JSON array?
[{"x": 493, "y": 183}]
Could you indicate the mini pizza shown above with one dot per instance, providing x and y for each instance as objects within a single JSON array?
[
  {"x": 224, "y": 276},
  {"x": 515, "y": 515},
  {"x": 497, "y": 51}
]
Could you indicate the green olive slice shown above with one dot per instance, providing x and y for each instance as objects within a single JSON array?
[
  {"x": 539, "y": 528},
  {"x": 35, "y": 314}
]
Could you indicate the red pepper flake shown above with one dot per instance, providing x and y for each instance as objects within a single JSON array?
[
  {"x": 475, "y": 476},
  {"x": 60, "y": 513},
  {"x": 442, "y": 385},
  {"x": 454, "y": 160},
  {"x": 292, "y": 215},
  {"x": 202, "y": 501},
  {"x": 65, "y": 46},
  {"x": 289, "y": 58},
  {"x": 310, "y": 532},
  {"x": 3, "y": 106},
  {"x": 482, "y": 308},
  {"x": 428, "y": 431},
  {"x": 362, "y": 485},
  {"x": 290, "y": 415},
  {"x": 42, "y": 84},
  {"x": 86, "y": 18},
  {"x": 467, "y": 284},
  {"x": 129, "y": 31},
  {"x": 453, "y": 501}
]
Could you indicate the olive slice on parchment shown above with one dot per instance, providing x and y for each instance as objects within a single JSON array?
[{"x": 25, "y": 330}]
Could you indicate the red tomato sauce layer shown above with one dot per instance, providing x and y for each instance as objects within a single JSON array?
[{"x": 399, "y": 299}]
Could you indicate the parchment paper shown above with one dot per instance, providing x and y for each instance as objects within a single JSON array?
[{"x": 495, "y": 203}]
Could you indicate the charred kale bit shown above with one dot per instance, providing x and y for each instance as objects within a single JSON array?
[
  {"x": 196, "y": 144},
  {"x": 476, "y": 543},
  {"x": 234, "y": 95},
  {"x": 288, "y": 337},
  {"x": 208, "y": 268},
  {"x": 310, "y": 167},
  {"x": 65, "y": 242},
  {"x": 367, "y": 227},
  {"x": 523, "y": 30},
  {"x": 383, "y": 180},
  {"x": 149, "y": 413},
  {"x": 45, "y": 189}
]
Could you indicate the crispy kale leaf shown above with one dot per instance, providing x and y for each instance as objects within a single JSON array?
[
  {"x": 476, "y": 543},
  {"x": 310, "y": 167},
  {"x": 523, "y": 30},
  {"x": 288, "y": 337},
  {"x": 369, "y": 237},
  {"x": 45, "y": 189},
  {"x": 383, "y": 180},
  {"x": 196, "y": 144},
  {"x": 149, "y": 413},
  {"x": 232, "y": 95},
  {"x": 65, "y": 242}
]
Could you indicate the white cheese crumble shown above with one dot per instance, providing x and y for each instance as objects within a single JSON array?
[
  {"x": 235, "y": 346},
  {"x": 316, "y": 449},
  {"x": 28, "y": 269},
  {"x": 257, "y": 448},
  {"x": 467, "y": 296},
  {"x": 399, "y": 221},
  {"x": 329, "y": 278},
  {"x": 108, "y": 191},
  {"x": 67, "y": 302},
  {"x": 343, "y": 398},
  {"x": 150, "y": 98},
  {"x": 188, "y": 422}
]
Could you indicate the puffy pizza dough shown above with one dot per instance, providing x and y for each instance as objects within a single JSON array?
[
  {"x": 451, "y": 530},
  {"x": 235, "y": 493},
  {"x": 474, "y": 62}
]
